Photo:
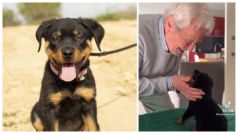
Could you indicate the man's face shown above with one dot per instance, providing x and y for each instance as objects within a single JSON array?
[{"x": 185, "y": 39}]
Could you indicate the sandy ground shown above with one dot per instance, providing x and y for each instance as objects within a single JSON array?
[{"x": 115, "y": 76}]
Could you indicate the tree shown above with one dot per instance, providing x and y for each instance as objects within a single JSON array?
[
  {"x": 9, "y": 18},
  {"x": 34, "y": 13}
]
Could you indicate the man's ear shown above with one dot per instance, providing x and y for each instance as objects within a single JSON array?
[
  {"x": 42, "y": 29},
  {"x": 170, "y": 25},
  {"x": 96, "y": 29}
]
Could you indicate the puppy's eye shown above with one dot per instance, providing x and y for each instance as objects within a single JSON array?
[{"x": 55, "y": 38}]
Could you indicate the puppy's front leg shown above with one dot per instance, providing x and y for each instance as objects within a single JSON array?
[
  {"x": 54, "y": 99},
  {"x": 89, "y": 107},
  {"x": 187, "y": 114},
  {"x": 90, "y": 115}
]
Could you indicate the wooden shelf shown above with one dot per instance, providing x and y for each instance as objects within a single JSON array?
[{"x": 211, "y": 59}]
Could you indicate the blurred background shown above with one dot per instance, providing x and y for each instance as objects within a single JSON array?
[
  {"x": 34, "y": 13},
  {"x": 23, "y": 66}
]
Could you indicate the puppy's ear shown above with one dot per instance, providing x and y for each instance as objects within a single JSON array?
[
  {"x": 42, "y": 29},
  {"x": 196, "y": 71},
  {"x": 96, "y": 29},
  {"x": 195, "y": 74}
]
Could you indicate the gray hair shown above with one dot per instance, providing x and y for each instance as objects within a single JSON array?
[{"x": 183, "y": 13}]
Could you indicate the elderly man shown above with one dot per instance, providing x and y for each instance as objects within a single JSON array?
[{"x": 162, "y": 41}]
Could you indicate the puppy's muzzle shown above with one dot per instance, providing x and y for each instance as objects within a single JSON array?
[{"x": 67, "y": 53}]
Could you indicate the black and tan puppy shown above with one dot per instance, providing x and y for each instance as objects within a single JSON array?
[
  {"x": 67, "y": 97},
  {"x": 208, "y": 115}
]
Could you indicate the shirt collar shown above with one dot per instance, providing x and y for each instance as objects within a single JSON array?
[{"x": 162, "y": 35}]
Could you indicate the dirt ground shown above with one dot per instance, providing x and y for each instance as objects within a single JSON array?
[{"x": 115, "y": 77}]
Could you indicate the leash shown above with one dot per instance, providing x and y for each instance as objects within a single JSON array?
[{"x": 113, "y": 51}]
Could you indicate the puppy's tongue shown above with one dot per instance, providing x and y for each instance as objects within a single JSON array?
[{"x": 68, "y": 72}]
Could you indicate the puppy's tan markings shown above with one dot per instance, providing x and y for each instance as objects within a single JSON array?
[
  {"x": 89, "y": 123},
  {"x": 56, "y": 125},
  {"x": 48, "y": 51},
  {"x": 76, "y": 32},
  {"x": 38, "y": 125},
  {"x": 85, "y": 53},
  {"x": 57, "y": 97},
  {"x": 59, "y": 33},
  {"x": 59, "y": 56},
  {"x": 89, "y": 42},
  {"x": 85, "y": 92},
  {"x": 52, "y": 55}
]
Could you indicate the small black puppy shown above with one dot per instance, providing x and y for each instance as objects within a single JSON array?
[
  {"x": 67, "y": 96},
  {"x": 208, "y": 115}
]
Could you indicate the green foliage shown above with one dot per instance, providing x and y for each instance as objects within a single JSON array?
[
  {"x": 129, "y": 13},
  {"x": 108, "y": 17},
  {"x": 9, "y": 18},
  {"x": 34, "y": 13}
]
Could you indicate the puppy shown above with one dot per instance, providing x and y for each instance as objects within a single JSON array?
[
  {"x": 67, "y": 96},
  {"x": 208, "y": 115}
]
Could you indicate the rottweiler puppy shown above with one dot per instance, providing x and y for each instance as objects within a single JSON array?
[
  {"x": 208, "y": 115},
  {"x": 67, "y": 96}
]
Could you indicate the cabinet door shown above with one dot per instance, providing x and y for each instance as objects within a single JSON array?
[{"x": 219, "y": 26}]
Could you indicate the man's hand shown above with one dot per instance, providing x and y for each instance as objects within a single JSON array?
[{"x": 180, "y": 83}]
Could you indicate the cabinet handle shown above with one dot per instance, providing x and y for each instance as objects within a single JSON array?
[{"x": 233, "y": 38}]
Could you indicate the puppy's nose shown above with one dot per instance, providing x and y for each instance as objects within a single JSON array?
[{"x": 67, "y": 52}]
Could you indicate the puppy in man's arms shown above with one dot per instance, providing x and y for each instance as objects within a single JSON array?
[{"x": 208, "y": 115}]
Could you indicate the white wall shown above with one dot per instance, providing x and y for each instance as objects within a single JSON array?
[
  {"x": 229, "y": 94},
  {"x": 159, "y": 8}
]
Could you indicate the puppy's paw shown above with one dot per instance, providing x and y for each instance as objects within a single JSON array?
[{"x": 180, "y": 122}]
